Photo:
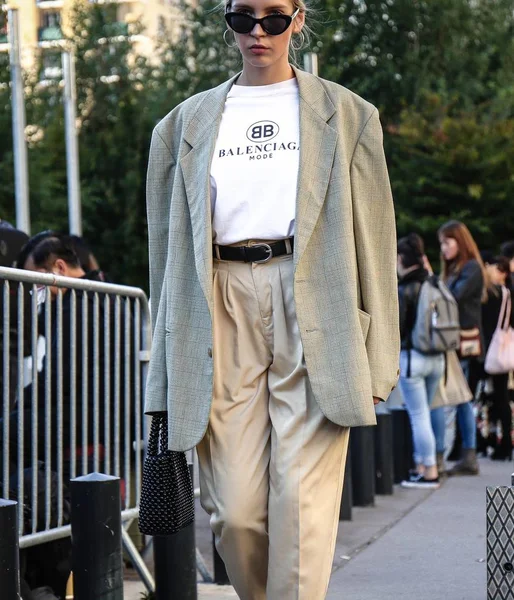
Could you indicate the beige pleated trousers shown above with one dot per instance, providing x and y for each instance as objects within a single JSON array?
[{"x": 271, "y": 464}]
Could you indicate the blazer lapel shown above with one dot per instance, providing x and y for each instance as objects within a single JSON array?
[
  {"x": 317, "y": 148},
  {"x": 201, "y": 135}
]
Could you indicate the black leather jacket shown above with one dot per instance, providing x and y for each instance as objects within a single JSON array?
[
  {"x": 408, "y": 293},
  {"x": 467, "y": 287}
]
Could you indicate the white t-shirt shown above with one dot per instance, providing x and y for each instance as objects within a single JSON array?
[{"x": 254, "y": 170}]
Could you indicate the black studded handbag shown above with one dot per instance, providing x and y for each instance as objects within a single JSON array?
[{"x": 167, "y": 496}]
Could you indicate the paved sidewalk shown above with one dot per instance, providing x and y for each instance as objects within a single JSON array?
[
  {"x": 436, "y": 552},
  {"x": 414, "y": 545}
]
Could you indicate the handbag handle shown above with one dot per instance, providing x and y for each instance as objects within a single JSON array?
[
  {"x": 505, "y": 310},
  {"x": 158, "y": 439},
  {"x": 508, "y": 310}
]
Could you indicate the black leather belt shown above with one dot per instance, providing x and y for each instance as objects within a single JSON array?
[{"x": 258, "y": 253}]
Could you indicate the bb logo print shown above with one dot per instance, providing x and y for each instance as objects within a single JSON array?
[{"x": 262, "y": 131}]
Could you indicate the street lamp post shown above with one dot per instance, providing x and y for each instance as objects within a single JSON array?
[
  {"x": 21, "y": 176},
  {"x": 72, "y": 154}
]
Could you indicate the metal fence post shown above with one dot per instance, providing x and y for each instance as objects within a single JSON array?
[
  {"x": 362, "y": 442},
  {"x": 500, "y": 548},
  {"x": 345, "y": 512},
  {"x": 175, "y": 564},
  {"x": 96, "y": 537},
  {"x": 9, "y": 552},
  {"x": 384, "y": 454}
]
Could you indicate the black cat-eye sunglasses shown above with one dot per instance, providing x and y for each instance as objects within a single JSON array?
[{"x": 272, "y": 24}]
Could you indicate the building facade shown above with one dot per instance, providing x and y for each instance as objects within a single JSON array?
[{"x": 45, "y": 23}]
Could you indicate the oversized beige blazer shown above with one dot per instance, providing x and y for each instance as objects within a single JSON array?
[{"x": 345, "y": 285}]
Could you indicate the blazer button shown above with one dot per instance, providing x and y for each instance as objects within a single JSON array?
[{"x": 209, "y": 352}]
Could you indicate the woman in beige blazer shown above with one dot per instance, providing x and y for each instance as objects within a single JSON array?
[{"x": 274, "y": 302}]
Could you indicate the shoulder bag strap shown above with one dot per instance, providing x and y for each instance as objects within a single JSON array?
[
  {"x": 503, "y": 309},
  {"x": 508, "y": 308},
  {"x": 409, "y": 338}
]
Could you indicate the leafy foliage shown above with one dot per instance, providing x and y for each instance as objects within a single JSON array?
[
  {"x": 441, "y": 73},
  {"x": 121, "y": 96}
]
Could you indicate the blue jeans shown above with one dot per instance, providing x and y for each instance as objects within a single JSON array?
[
  {"x": 443, "y": 422},
  {"x": 418, "y": 391}
]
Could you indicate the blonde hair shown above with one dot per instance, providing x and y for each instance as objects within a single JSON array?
[{"x": 299, "y": 41}]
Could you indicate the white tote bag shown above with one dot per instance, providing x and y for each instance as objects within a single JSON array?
[{"x": 500, "y": 355}]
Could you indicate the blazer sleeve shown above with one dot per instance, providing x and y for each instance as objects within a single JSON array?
[
  {"x": 158, "y": 197},
  {"x": 375, "y": 242},
  {"x": 159, "y": 184}
]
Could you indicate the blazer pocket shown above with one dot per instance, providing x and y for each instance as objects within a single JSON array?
[{"x": 365, "y": 321}]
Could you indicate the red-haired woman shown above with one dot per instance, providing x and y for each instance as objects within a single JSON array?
[{"x": 464, "y": 273}]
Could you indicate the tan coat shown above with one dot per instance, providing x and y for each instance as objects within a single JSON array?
[{"x": 345, "y": 285}]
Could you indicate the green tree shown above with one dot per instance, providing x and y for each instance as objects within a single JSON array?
[
  {"x": 392, "y": 52},
  {"x": 442, "y": 75}
]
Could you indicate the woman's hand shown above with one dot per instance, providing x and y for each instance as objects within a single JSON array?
[
  {"x": 376, "y": 400},
  {"x": 426, "y": 265}
]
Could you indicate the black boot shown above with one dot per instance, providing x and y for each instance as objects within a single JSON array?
[
  {"x": 441, "y": 467},
  {"x": 503, "y": 451}
]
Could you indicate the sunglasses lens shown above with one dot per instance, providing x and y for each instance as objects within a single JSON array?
[
  {"x": 240, "y": 23},
  {"x": 275, "y": 24}
]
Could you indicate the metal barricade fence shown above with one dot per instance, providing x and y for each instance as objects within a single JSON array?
[{"x": 83, "y": 411}]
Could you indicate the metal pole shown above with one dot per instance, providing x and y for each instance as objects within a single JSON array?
[
  {"x": 21, "y": 174},
  {"x": 310, "y": 62},
  {"x": 72, "y": 152},
  {"x": 9, "y": 552},
  {"x": 96, "y": 537},
  {"x": 175, "y": 564}
]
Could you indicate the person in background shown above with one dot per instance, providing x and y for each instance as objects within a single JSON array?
[
  {"x": 420, "y": 373},
  {"x": 507, "y": 250},
  {"x": 498, "y": 271},
  {"x": 11, "y": 241},
  {"x": 52, "y": 253},
  {"x": 87, "y": 259},
  {"x": 464, "y": 274},
  {"x": 6, "y": 225}
]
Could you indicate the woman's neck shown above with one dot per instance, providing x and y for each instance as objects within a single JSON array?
[{"x": 265, "y": 75}]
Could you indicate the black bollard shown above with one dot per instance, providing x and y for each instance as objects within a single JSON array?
[
  {"x": 362, "y": 442},
  {"x": 345, "y": 512},
  {"x": 96, "y": 537},
  {"x": 9, "y": 552},
  {"x": 384, "y": 455},
  {"x": 402, "y": 445},
  {"x": 175, "y": 563},
  {"x": 220, "y": 572}
]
